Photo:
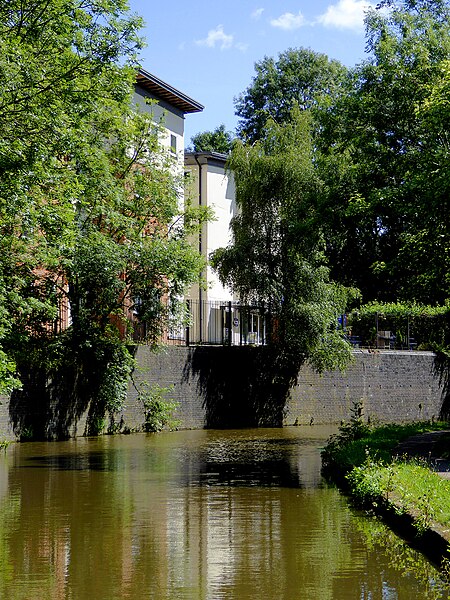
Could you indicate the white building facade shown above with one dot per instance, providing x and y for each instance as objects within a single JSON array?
[
  {"x": 168, "y": 109},
  {"x": 217, "y": 315}
]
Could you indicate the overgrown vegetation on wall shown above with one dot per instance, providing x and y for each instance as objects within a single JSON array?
[
  {"x": 89, "y": 212},
  {"x": 158, "y": 409}
]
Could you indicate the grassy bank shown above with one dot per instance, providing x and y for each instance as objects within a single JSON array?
[
  {"x": 409, "y": 486},
  {"x": 364, "y": 460}
]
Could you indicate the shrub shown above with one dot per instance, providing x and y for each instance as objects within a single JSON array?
[{"x": 158, "y": 412}]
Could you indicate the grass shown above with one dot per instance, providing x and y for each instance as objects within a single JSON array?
[
  {"x": 363, "y": 460},
  {"x": 349, "y": 448},
  {"x": 408, "y": 486}
]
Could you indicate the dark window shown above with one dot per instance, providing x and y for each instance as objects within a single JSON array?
[{"x": 173, "y": 144}]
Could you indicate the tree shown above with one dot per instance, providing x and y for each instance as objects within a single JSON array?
[
  {"x": 89, "y": 215},
  {"x": 58, "y": 60},
  {"x": 276, "y": 256},
  {"x": 300, "y": 76},
  {"x": 388, "y": 137},
  {"x": 218, "y": 140}
]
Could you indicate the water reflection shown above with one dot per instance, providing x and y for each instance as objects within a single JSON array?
[{"x": 195, "y": 515}]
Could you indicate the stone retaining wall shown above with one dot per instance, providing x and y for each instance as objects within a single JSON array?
[
  {"x": 234, "y": 387},
  {"x": 394, "y": 386}
]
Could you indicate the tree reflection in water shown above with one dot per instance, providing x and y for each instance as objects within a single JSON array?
[{"x": 193, "y": 515}]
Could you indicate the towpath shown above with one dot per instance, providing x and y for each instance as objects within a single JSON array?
[{"x": 428, "y": 446}]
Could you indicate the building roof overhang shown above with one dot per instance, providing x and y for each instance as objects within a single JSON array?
[
  {"x": 191, "y": 158},
  {"x": 162, "y": 90}
]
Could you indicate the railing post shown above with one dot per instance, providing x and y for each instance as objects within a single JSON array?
[
  {"x": 241, "y": 327},
  {"x": 262, "y": 313},
  {"x": 188, "y": 329},
  {"x": 376, "y": 327},
  {"x": 407, "y": 333},
  {"x": 230, "y": 323}
]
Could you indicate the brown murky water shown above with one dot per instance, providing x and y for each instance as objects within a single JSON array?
[{"x": 198, "y": 515}]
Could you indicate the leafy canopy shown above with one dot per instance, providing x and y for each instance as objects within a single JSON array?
[
  {"x": 276, "y": 256},
  {"x": 89, "y": 201},
  {"x": 387, "y": 152},
  {"x": 299, "y": 76},
  {"x": 218, "y": 140}
]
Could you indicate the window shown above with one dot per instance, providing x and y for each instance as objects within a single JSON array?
[{"x": 173, "y": 144}]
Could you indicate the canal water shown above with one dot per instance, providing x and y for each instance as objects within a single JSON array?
[{"x": 196, "y": 515}]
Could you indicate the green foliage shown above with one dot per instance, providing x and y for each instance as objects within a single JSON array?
[
  {"x": 26, "y": 434},
  {"x": 89, "y": 204},
  {"x": 410, "y": 486},
  {"x": 370, "y": 483},
  {"x": 276, "y": 257},
  {"x": 158, "y": 412},
  {"x": 355, "y": 428},
  {"x": 380, "y": 153},
  {"x": 357, "y": 440},
  {"x": 428, "y": 325},
  {"x": 345, "y": 448},
  {"x": 299, "y": 77},
  {"x": 218, "y": 140},
  {"x": 365, "y": 458},
  {"x": 385, "y": 150},
  {"x": 8, "y": 378},
  {"x": 96, "y": 426},
  {"x": 400, "y": 310}
]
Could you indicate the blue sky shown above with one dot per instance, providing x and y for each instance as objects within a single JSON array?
[{"x": 208, "y": 49}]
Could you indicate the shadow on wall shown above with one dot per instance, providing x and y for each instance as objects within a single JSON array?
[
  {"x": 242, "y": 386},
  {"x": 441, "y": 369},
  {"x": 46, "y": 408},
  {"x": 58, "y": 397}
]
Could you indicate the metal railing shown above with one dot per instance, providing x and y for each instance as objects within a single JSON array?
[
  {"x": 383, "y": 332},
  {"x": 233, "y": 324},
  {"x": 220, "y": 323}
]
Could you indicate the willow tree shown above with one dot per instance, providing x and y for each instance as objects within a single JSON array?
[
  {"x": 276, "y": 257},
  {"x": 89, "y": 210}
]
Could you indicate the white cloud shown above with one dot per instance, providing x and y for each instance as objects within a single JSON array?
[
  {"x": 289, "y": 21},
  {"x": 217, "y": 37},
  {"x": 241, "y": 46},
  {"x": 257, "y": 13},
  {"x": 346, "y": 14}
]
